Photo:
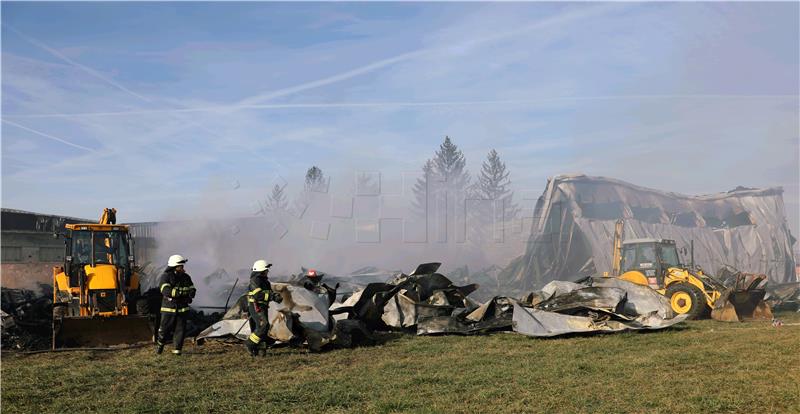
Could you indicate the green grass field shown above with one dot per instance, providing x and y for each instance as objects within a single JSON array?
[{"x": 699, "y": 367}]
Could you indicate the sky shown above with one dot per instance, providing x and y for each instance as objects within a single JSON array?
[{"x": 159, "y": 108}]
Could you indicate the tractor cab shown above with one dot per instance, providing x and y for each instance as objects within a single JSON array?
[
  {"x": 98, "y": 262},
  {"x": 650, "y": 257}
]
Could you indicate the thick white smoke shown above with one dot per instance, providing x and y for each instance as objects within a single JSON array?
[{"x": 338, "y": 229}]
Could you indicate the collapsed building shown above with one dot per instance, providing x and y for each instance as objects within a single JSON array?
[
  {"x": 574, "y": 219},
  {"x": 428, "y": 303}
]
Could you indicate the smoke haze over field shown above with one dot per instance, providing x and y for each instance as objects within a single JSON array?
[{"x": 344, "y": 228}]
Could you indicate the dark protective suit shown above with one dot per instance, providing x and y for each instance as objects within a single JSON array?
[
  {"x": 258, "y": 296},
  {"x": 315, "y": 285},
  {"x": 177, "y": 291}
]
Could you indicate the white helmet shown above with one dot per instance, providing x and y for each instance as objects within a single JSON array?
[
  {"x": 261, "y": 265},
  {"x": 176, "y": 260}
]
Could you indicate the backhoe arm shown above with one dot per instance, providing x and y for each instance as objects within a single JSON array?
[{"x": 109, "y": 216}]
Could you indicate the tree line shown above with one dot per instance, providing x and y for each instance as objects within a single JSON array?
[{"x": 489, "y": 199}]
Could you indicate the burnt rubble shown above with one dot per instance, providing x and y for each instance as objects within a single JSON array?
[
  {"x": 26, "y": 318},
  {"x": 423, "y": 302}
]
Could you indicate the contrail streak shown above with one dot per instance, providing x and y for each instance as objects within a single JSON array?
[
  {"x": 46, "y": 135},
  {"x": 111, "y": 82},
  {"x": 66, "y": 59},
  {"x": 549, "y": 21},
  {"x": 346, "y": 105},
  {"x": 327, "y": 81},
  {"x": 251, "y": 102}
]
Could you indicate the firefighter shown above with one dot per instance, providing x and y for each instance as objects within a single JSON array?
[
  {"x": 313, "y": 282},
  {"x": 258, "y": 296},
  {"x": 177, "y": 292}
]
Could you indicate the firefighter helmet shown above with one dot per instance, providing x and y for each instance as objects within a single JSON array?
[
  {"x": 261, "y": 265},
  {"x": 176, "y": 260}
]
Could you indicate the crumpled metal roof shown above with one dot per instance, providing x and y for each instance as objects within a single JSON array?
[{"x": 573, "y": 229}]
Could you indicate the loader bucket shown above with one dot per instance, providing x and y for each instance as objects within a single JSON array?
[
  {"x": 100, "y": 332},
  {"x": 738, "y": 304}
]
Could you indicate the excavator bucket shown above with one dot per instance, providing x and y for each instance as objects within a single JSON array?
[
  {"x": 742, "y": 301},
  {"x": 100, "y": 332}
]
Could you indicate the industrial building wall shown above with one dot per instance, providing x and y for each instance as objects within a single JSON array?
[
  {"x": 28, "y": 258},
  {"x": 29, "y": 250}
]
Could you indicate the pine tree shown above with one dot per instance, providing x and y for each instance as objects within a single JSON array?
[
  {"x": 450, "y": 192},
  {"x": 276, "y": 200},
  {"x": 440, "y": 193},
  {"x": 493, "y": 184},
  {"x": 444, "y": 174},
  {"x": 422, "y": 189},
  {"x": 449, "y": 164}
]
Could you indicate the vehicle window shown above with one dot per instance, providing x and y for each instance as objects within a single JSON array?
[
  {"x": 669, "y": 255},
  {"x": 110, "y": 248},
  {"x": 81, "y": 247},
  {"x": 628, "y": 259},
  {"x": 102, "y": 248},
  {"x": 647, "y": 254}
]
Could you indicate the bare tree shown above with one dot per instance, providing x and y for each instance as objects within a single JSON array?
[{"x": 315, "y": 180}]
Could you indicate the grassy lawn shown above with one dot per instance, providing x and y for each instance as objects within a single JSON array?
[{"x": 702, "y": 366}]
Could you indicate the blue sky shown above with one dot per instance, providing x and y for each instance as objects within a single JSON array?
[{"x": 156, "y": 107}]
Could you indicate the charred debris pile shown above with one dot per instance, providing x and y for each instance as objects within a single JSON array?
[
  {"x": 425, "y": 302},
  {"x": 26, "y": 318},
  {"x": 371, "y": 302}
]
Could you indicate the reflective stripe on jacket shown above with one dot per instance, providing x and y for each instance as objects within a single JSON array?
[
  {"x": 177, "y": 290},
  {"x": 259, "y": 290}
]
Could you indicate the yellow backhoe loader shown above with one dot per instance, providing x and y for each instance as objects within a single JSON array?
[
  {"x": 95, "y": 291},
  {"x": 655, "y": 263}
]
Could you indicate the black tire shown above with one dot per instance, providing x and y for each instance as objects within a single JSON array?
[{"x": 698, "y": 300}]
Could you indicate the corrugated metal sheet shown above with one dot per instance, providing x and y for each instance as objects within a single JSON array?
[{"x": 574, "y": 222}]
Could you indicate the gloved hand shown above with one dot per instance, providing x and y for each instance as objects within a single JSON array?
[{"x": 275, "y": 297}]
